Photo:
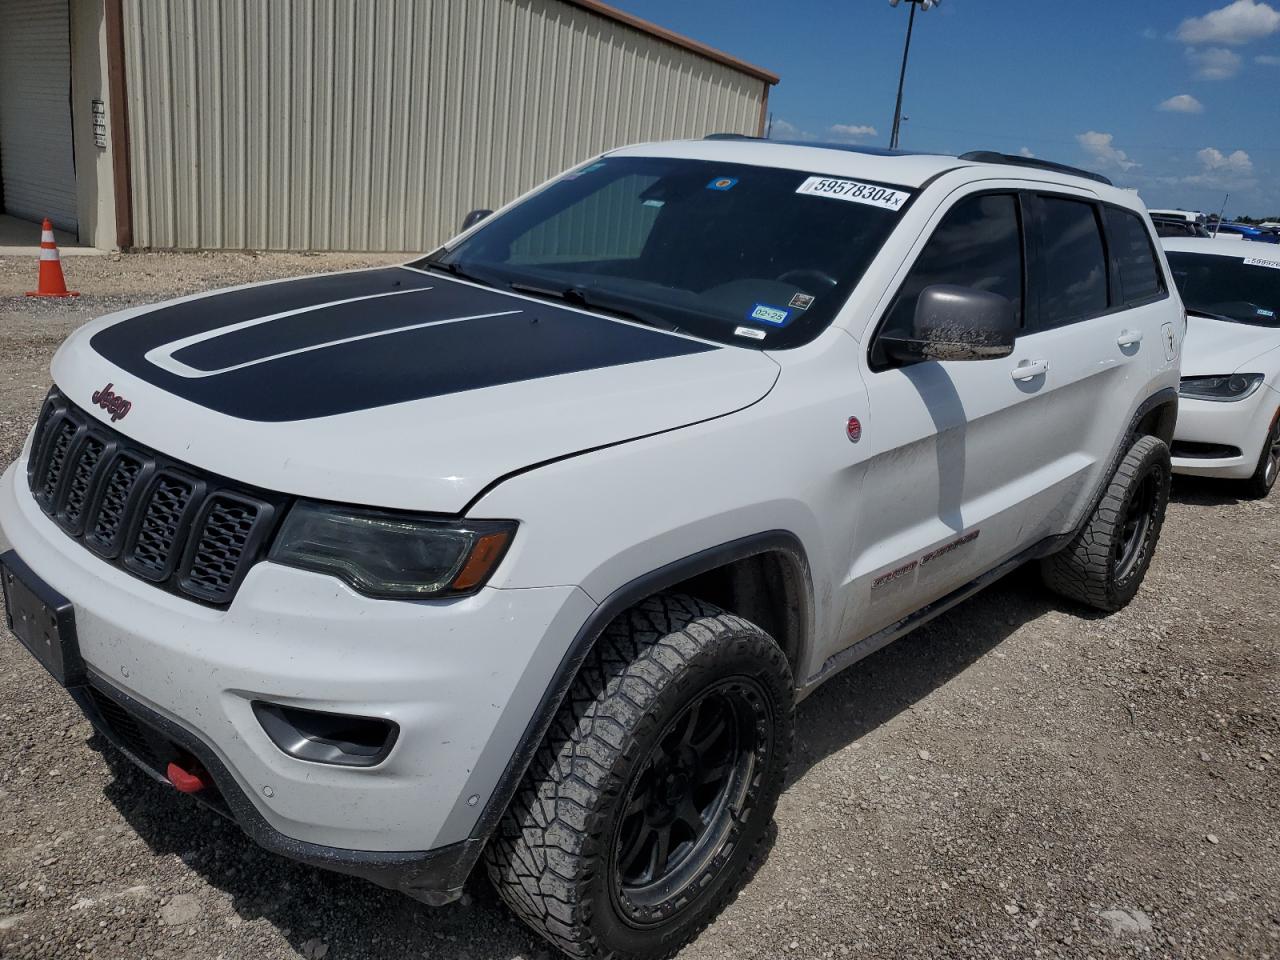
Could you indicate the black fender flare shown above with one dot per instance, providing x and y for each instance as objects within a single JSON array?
[{"x": 620, "y": 600}]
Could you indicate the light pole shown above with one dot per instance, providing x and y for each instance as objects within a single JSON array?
[{"x": 902, "y": 77}]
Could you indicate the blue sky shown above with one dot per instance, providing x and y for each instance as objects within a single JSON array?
[{"x": 1178, "y": 98}]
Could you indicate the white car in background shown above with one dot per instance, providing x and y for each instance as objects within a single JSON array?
[{"x": 1229, "y": 415}]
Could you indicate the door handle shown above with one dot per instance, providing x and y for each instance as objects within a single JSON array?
[
  {"x": 1030, "y": 369},
  {"x": 1129, "y": 338}
]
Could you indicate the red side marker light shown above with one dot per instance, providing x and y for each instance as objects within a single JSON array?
[
  {"x": 187, "y": 781},
  {"x": 853, "y": 429}
]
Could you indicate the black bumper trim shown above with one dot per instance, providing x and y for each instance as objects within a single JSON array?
[{"x": 434, "y": 876}]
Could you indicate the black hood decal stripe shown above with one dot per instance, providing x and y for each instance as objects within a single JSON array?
[
  {"x": 331, "y": 345},
  {"x": 300, "y": 319}
]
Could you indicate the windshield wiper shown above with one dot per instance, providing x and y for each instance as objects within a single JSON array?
[
  {"x": 456, "y": 270},
  {"x": 579, "y": 297},
  {"x": 1195, "y": 311}
]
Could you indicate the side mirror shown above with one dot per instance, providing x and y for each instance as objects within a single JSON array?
[
  {"x": 474, "y": 217},
  {"x": 958, "y": 323}
]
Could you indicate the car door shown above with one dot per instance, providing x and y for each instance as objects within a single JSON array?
[
  {"x": 1100, "y": 346},
  {"x": 957, "y": 481}
]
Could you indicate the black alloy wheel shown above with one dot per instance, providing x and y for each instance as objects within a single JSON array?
[
  {"x": 1132, "y": 542},
  {"x": 684, "y": 804}
]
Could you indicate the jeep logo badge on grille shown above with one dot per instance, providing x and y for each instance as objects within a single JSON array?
[{"x": 113, "y": 403}]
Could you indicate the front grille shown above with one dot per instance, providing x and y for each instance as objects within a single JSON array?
[
  {"x": 104, "y": 533},
  {"x": 188, "y": 531},
  {"x": 154, "y": 553}
]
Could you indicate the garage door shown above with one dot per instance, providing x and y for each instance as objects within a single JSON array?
[{"x": 37, "y": 166}]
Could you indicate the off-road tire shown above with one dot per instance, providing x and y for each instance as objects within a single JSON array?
[
  {"x": 552, "y": 858},
  {"x": 1088, "y": 569},
  {"x": 1264, "y": 477}
]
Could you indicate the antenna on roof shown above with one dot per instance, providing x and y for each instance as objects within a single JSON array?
[{"x": 1221, "y": 215}]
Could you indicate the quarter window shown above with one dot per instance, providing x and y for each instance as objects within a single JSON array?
[
  {"x": 978, "y": 245},
  {"x": 1073, "y": 264},
  {"x": 1132, "y": 254}
]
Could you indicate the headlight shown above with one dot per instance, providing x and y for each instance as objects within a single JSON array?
[
  {"x": 394, "y": 555},
  {"x": 1235, "y": 386}
]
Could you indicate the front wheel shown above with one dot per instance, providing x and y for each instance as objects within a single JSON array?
[
  {"x": 1106, "y": 562},
  {"x": 1264, "y": 477},
  {"x": 648, "y": 805}
]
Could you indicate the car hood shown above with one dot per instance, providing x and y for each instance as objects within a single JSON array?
[
  {"x": 391, "y": 387},
  {"x": 1214, "y": 347}
]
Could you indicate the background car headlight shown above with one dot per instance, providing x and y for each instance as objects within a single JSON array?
[
  {"x": 394, "y": 555},
  {"x": 1235, "y": 386}
]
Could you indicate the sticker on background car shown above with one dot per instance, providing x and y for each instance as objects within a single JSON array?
[{"x": 722, "y": 183}]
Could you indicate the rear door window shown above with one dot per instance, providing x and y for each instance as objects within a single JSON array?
[
  {"x": 1071, "y": 274},
  {"x": 1134, "y": 257}
]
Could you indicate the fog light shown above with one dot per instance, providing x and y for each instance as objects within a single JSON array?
[{"x": 333, "y": 738}]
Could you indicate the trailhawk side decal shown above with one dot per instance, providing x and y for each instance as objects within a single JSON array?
[
  {"x": 330, "y": 345},
  {"x": 899, "y": 572}
]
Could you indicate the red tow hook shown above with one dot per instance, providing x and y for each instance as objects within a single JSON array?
[{"x": 188, "y": 781}]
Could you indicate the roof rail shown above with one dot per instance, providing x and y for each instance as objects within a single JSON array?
[
  {"x": 990, "y": 156},
  {"x": 825, "y": 145}
]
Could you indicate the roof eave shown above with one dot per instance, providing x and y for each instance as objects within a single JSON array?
[{"x": 677, "y": 39}]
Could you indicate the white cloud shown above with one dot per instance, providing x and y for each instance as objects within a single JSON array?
[
  {"x": 1102, "y": 149},
  {"x": 1026, "y": 152},
  {"x": 783, "y": 130},
  {"x": 1224, "y": 170},
  {"x": 1237, "y": 163},
  {"x": 1267, "y": 60},
  {"x": 1150, "y": 33},
  {"x": 1236, "y": 23},
  {"x": 1182, "y": 103},
  {"x": 1214, "y": 63},
  {"x": 849, "y": 131}
]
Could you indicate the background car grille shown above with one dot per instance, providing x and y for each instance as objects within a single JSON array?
[{"x": 188, "y": 531}]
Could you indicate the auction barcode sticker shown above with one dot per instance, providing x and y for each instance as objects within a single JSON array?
[
  {"x": 855, "y": 192},
  {"x": 1259, "y": 262}
]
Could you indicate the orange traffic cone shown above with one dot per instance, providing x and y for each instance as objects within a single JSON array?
[{"x": 51, "y": 282}]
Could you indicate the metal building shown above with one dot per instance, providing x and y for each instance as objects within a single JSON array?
[{"x": 330, "y": 124}]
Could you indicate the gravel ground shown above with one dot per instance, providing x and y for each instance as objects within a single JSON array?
[{"x": 1018, "y": 779}]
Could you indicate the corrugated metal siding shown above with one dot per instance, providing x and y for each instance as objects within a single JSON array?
[
  {"x": 331, "y": 124},
  {"x": 37, "y": 161}
]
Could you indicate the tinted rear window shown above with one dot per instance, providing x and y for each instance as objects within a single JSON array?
[
  {"x": 1073, "y": 275},
  {"x": 1134, "y": 257}
]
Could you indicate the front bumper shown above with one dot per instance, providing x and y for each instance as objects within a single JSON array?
[
  {"x": 461, "y": 678},
  {"x": 1215, "y": 439}
]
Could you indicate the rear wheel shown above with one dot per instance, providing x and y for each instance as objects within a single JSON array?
[
  {"x": 1106, "y": 562},
  {"x": 1264, "y": 477},
  {"x": 648, "y": 804}
]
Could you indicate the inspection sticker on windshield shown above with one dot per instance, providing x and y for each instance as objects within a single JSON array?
[
  {"x": 1256, "y": 262},
  {"x": 855, "y": 192},
  {"x": 777, "y": 316}
]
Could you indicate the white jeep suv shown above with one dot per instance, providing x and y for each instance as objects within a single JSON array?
[{"x": 526, "y": 550}]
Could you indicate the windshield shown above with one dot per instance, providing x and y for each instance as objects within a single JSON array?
[
  {"x": 1229, "y": 288},
  {"x": 755, "y": 256}
]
